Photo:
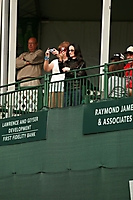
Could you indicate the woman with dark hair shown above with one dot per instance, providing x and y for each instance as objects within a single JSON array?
[
  {"x": 117, "y": 81},
  {"x": 73, "y": 79}
]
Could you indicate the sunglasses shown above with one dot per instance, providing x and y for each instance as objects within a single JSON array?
[
  {"x": 62, "y": 49},
  {"x": 71, "y": 50}
]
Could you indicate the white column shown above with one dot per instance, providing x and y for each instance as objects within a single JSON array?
[
  {"x": 0, "y": 29},
  {"x": 4, "y": 43},
  {"x": 0, "y": 16},
  {"x": 12, "y": 43},
  {"x": 105, "y": 35}
]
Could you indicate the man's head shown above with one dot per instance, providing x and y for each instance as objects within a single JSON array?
[
  {"x": 32, "y": 44},
  {"x": 129, "y": 53},
  {"x": 117, "y": 57},
  {"x": 118, "y": 66}
]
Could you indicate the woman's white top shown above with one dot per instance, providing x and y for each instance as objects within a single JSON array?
[
  {"x": 117, "y": 87},
  {"x": 57, "y": 81}
]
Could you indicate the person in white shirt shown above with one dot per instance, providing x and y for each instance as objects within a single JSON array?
[
  {"x": 117, "y": 81},
  {"x": 56, "y": 87}
]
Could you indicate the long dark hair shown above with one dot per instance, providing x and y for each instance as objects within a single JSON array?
[{"x": 77, "y": 51}]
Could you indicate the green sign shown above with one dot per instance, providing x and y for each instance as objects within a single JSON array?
[
  {"x": 25, "y": 128},
  {"x": 110, "y": 115}
]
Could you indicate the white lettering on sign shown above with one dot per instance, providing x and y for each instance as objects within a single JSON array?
[
  {"x": 33, "y": 134},
  {"x": 113, "y": 110},
  {"x": 105, "y": 111},
  {"x": 117, "y": 120},
  {"x": 32, "y": 119},
  {"x": 19, "y": 129},
  {"x": 11, "y": 123},
  {"x": 7, "y": 138},
  {"x": 18, "y": 136},
  {"x": 126, "y": 108},
  {"x": 20, "y": 122}
]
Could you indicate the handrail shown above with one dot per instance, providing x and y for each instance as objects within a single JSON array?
[{"x": 85, "y": 89}]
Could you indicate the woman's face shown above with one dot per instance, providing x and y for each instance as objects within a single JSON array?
[
  {"x": 129, "y": 56},
  {"x": 71, "y": 51},
  {"x": 63, "y": 51}
]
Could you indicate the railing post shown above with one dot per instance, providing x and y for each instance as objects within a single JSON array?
[
  {"x": 46, "y": 90},
  {"x": 105, "y": 81}
]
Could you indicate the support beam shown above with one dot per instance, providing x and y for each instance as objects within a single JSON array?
[
  {"x": 4, "y": 43},
  {"x": 105, "y": 35},
  {"x": 0, "y": 15},
  {"x": 12, "y": 43},
  {"x": 0, "y": 28}
]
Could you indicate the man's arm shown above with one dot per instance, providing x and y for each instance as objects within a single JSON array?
[
  {"x": 35, "y": 58},
  {"x": 20, "y": 61}
]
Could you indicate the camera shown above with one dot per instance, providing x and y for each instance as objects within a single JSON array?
[{"x": 51, "y": 50}]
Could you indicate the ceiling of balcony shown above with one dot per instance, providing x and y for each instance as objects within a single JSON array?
[{"x": 74, "y": 10}]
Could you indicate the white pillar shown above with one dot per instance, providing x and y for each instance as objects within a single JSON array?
[
  {"x": 105, "y": 36},
  {"x": 4, "y": 43},
  {"x": 0, "y": 16},
  {"x": 12, "y": 43},
  {"x": 0, "y": 30}
]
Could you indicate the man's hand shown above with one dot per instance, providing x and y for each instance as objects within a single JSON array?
[
  {"x": 23, "y": 59},
  {"x": 27, "y": 63}
]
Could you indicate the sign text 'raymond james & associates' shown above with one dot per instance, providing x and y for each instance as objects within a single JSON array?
[{"x": 108, "y": 116}]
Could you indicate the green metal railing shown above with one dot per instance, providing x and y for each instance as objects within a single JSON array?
[
  {"x": 16, "y": 100},
  {"x": 115, "y": 82},
  {"x": 77, "y": 90}
]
